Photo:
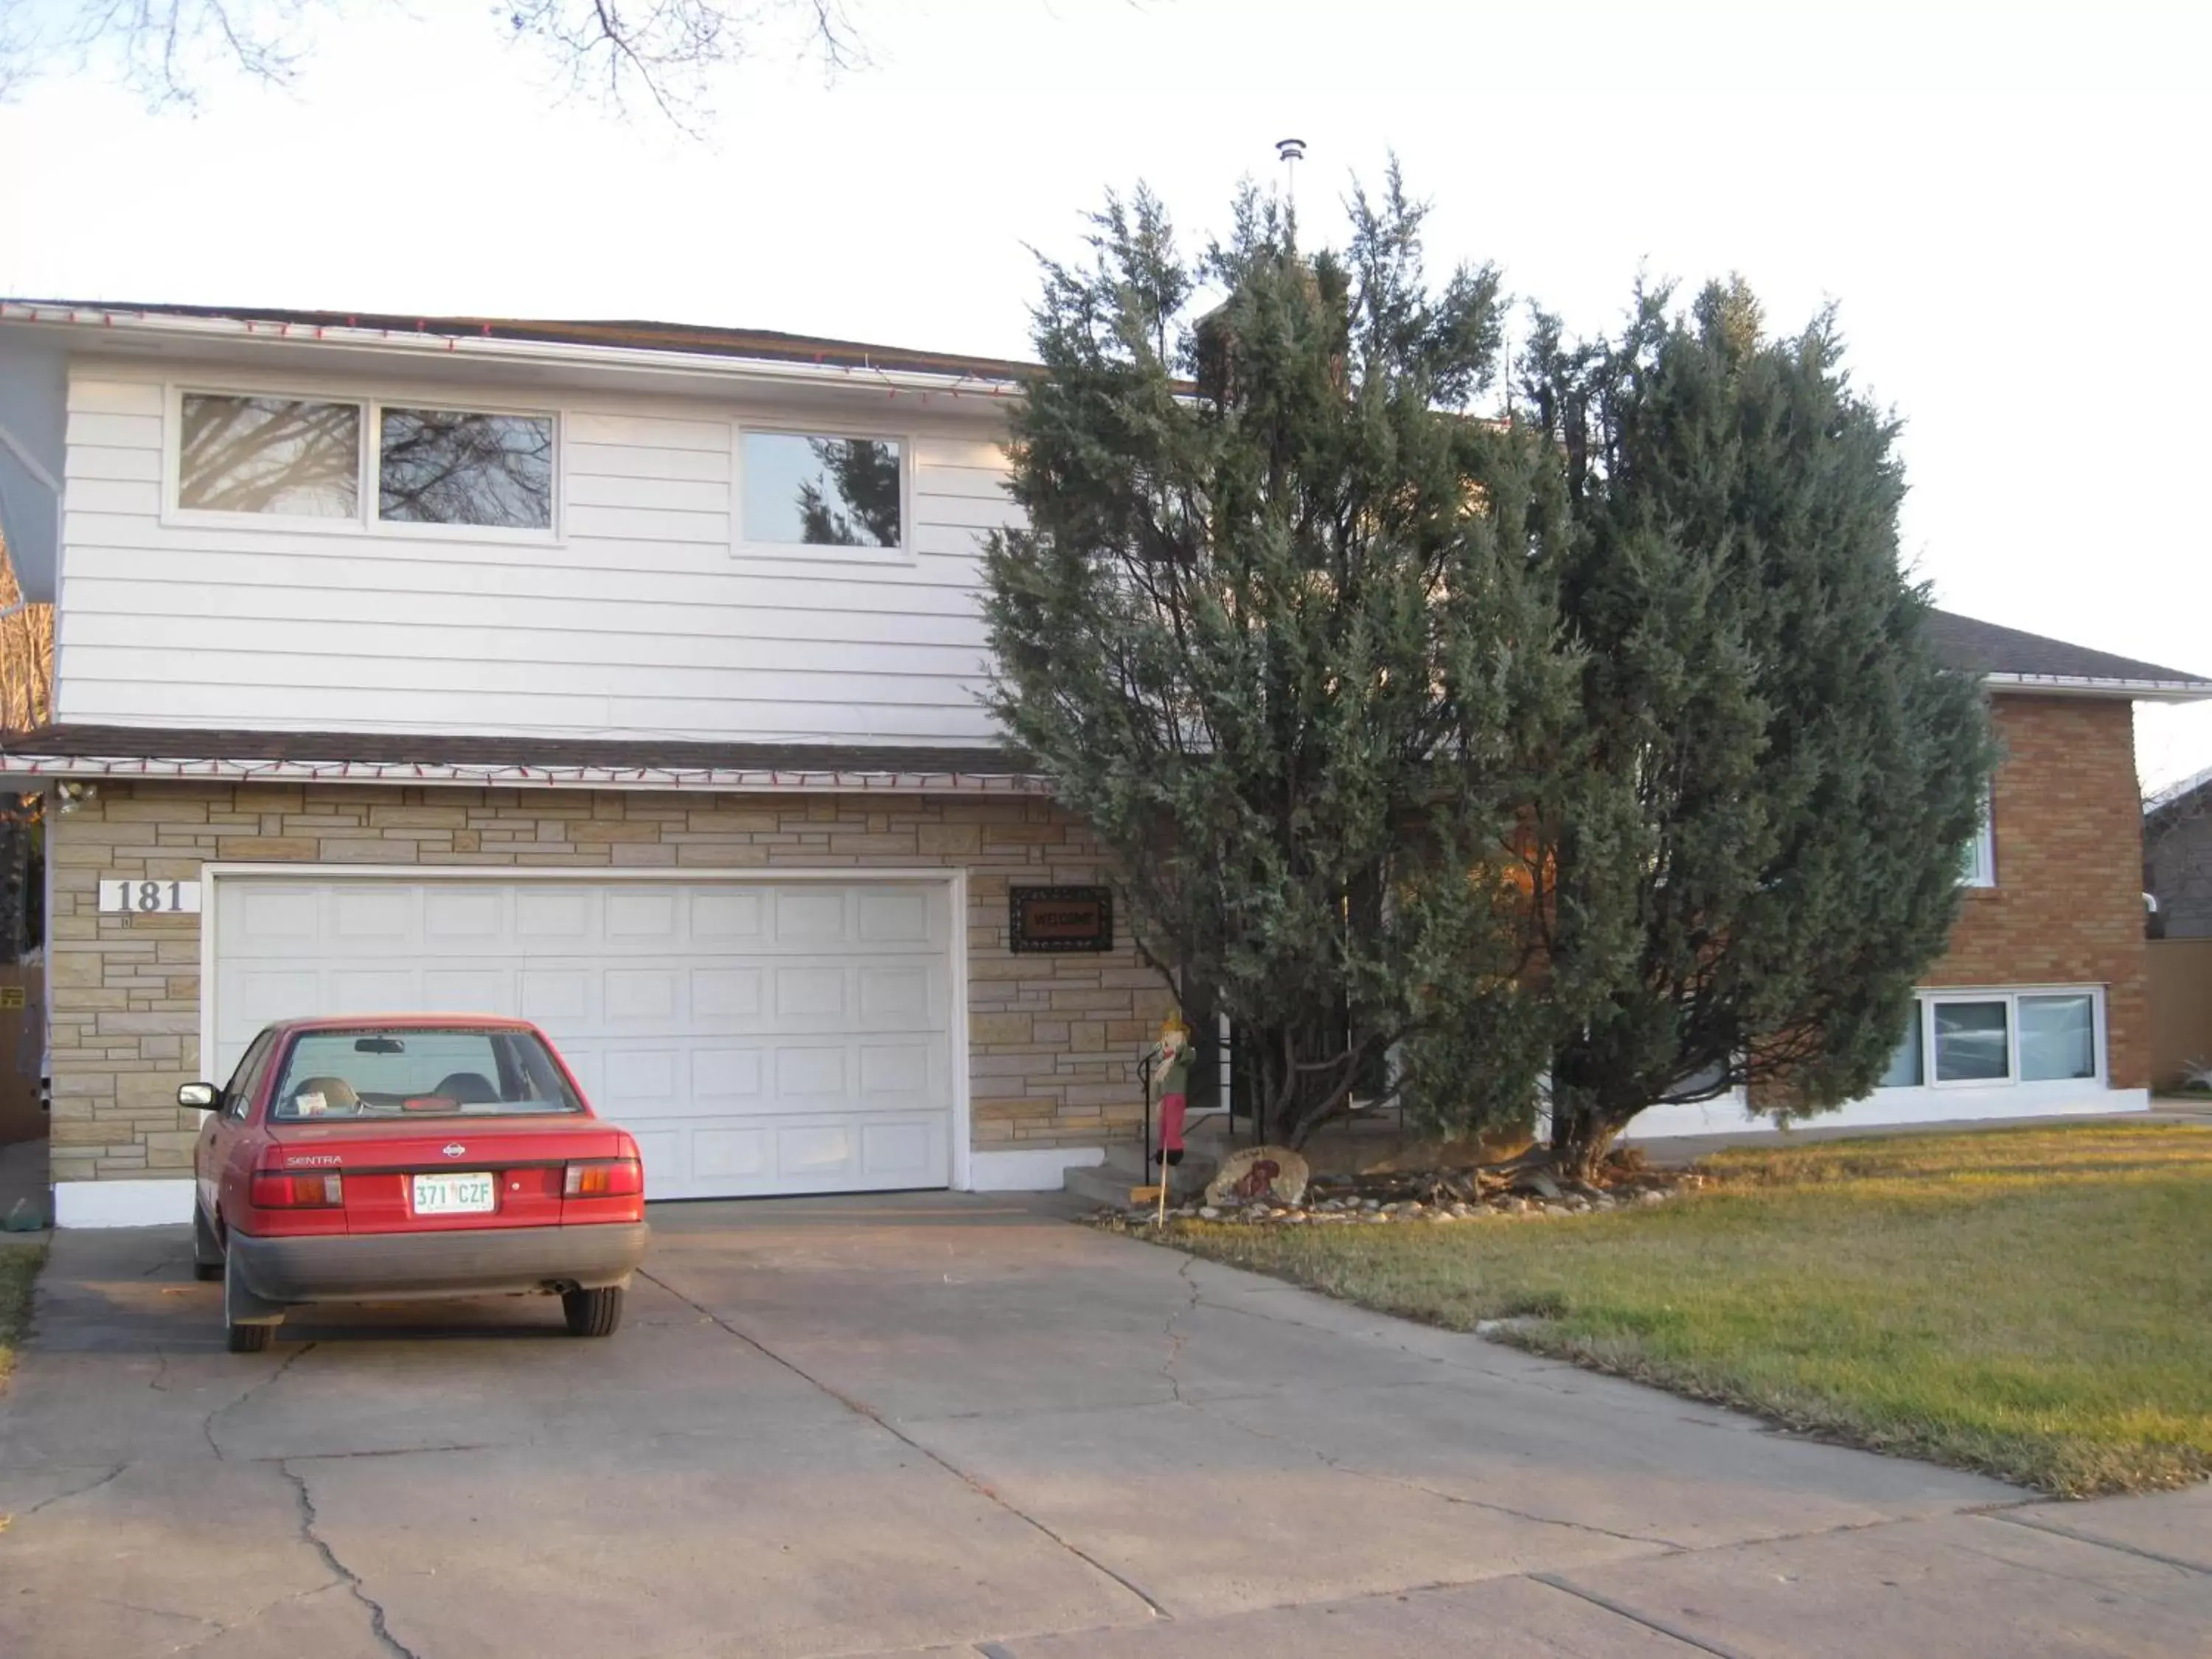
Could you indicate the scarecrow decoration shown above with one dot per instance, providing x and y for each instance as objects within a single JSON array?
[{"x": 1169, "y": 1056}]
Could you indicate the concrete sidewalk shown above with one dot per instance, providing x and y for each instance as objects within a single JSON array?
[{"x": 953, "y": 1425}]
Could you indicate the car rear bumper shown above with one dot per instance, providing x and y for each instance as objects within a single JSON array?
[{"x": 466, "y": 1262}]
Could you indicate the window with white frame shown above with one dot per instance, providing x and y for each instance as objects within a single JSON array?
[
  {"x": 454, "y": 466},
  {"x": 339, "y": 461},
  {"x": 295, "y": 456},
  {"x": 1977, "y": 864},
  {"x": 1967, "y": 1037},
  {"x": 804, "y": 489}
]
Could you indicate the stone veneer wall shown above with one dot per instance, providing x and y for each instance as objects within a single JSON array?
[{"x": 1052, "y": 1040}]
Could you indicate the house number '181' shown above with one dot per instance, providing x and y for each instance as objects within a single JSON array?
[{"x": 149, "y": 898}]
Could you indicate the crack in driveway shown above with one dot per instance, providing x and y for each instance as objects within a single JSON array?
[
  {"x": 1176, "y": 1339},
  {"x": 345, "y": 1575},
  {"x": 75, "y": 1492},
  {"x": 207, "y": 1423}
]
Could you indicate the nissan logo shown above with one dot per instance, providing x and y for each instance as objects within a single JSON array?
[{"x": 454, "y": 1149}]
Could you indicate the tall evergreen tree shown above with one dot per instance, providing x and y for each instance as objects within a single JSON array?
[
  {"x": 1274, "y": 631},
  {"x": 1758, "y": 695}
]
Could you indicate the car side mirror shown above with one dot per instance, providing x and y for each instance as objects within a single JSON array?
[{"x": 200, "y": 1096}]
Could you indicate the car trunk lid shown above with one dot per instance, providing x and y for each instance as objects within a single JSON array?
[{"x": 446, "y": 1172}]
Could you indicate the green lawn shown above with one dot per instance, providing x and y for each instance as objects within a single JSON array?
[
  {"x": 2034, "y": 1304},
  {"x": 19, "y": 1266}
]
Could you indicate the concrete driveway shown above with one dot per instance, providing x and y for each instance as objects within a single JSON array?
[{"x": 957, "y": 1425}]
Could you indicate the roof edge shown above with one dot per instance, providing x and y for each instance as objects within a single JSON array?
[
  {"x": 94, "y": 770},
  {"x": 982, "y": 379},
  {"x": 2084, "y": 685}
]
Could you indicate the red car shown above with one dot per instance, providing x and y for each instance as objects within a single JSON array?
[{"x": 375, "y": 1159}]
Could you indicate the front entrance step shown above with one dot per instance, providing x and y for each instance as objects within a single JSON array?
[{"x": 1109, "y": 1183}]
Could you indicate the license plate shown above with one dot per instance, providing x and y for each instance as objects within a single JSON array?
[{"x": 452, "y": 1194}]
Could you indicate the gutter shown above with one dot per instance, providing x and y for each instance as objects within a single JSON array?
[
  {"x": 94, "y": 769},
  {"x": 704, "y": 365},
  {"x": 2088, "y": 685}
]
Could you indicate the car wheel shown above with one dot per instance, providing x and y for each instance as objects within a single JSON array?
[
  {"x": 241, "y": 1338},
  {"x": 593, "y": 1313},
  {"x": 207, "y": 1249}
]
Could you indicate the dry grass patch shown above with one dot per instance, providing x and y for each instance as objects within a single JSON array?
[
  {"x": 2032, "y": 1303},
  {"x": 19, "y": 1266}
]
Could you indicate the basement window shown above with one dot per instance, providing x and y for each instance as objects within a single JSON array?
[
  {"x": 1973, "y": 1042},
  {"x": 2057, "y": 1038},
  {"x": 1906, "y": 1070},
  {"x": 1967, "y": 1038}
]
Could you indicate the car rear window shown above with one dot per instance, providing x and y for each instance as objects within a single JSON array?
[{"x": 419, "y": 1072}]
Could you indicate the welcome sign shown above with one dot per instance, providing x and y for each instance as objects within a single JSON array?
[{"x": 1046, "y": 919}]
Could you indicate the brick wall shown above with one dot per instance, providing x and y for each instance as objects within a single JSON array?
[
  {"x": 2068, "y": 905},
  {"x": 1053, "y": 1039}
]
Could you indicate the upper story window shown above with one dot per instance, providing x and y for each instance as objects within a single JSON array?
[
  {"x": 285, "y": 455},
  {"x": 358, "y": 463},
  {"x": 447, "y": 466},
  {"x": 1978, "y": 863},
  {"x": 804, "y": 490}
]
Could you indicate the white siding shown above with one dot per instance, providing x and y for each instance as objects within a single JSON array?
[{"x": 642, "y": 618}]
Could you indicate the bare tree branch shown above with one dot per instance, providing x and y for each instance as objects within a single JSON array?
[{"x": 610, "y": 52}]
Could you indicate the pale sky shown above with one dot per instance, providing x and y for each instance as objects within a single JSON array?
[{"x": 2008, "y": 202}]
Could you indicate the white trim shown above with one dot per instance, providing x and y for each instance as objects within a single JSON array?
[
  {"x": 1032, "y": 1169},
  {"x": 716, "y": 778},
  {"x": 963, "y": 1151},
  {"x": 2088, "y": 685},
  {"x": 1887, "y": 1108},
  {"x": 902, "y": 556},
  {"x": 123, "y": 1203},
  {"x": 954, "y": 880}
]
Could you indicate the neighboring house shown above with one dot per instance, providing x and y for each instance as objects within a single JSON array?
[
  {"x": 625, "y": 677},
  {"x": 2176, "y": 831},
  {"x": 2041, "y": 1004}
]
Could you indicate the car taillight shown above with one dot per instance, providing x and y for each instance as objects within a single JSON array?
[
  {"x": 612, "y": 1177},
  {"x": 298, "y": 1192}
]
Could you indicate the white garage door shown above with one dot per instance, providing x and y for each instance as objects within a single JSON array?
[{"x": 757, "y": 1037}]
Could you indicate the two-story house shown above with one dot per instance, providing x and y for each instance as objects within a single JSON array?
[{"x": 624, "y": 676}]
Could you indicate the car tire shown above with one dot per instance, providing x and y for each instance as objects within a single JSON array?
[
  {"x": 593, "y": 1313},
  {"x": 241, "y": 1338},
  {"x": 207, "y": 1248}
]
